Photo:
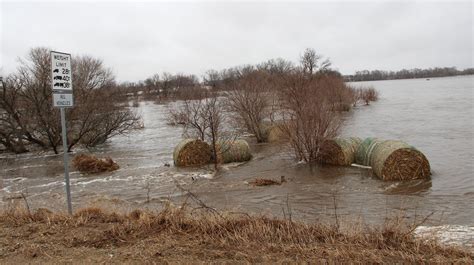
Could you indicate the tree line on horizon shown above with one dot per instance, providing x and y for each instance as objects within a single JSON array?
[
  {"x": 165, "y": 85},
  {"x": 366, "y": 75}
]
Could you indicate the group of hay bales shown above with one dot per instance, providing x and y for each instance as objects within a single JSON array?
[
  {"x": 194, "y": 152},
  {"x": 389, "y": 159}
]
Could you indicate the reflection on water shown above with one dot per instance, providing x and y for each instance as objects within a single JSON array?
[{"x": 435, "y": 116}]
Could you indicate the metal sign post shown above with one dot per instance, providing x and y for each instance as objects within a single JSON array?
[{"x": 61, "y": 82}]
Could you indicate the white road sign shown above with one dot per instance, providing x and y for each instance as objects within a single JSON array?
[
  {"x": 62, "y": 100},
  {"x": 61, "y": 79},
  {"x": 61, "y": 69}
]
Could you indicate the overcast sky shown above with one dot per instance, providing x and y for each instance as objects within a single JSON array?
[{"x": 139, "y": 39}]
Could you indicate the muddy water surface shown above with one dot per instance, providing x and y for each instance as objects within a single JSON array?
[{"x": 436, "y": 116}]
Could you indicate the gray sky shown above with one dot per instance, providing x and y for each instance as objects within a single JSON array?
[{"x": 139, "y": 39}]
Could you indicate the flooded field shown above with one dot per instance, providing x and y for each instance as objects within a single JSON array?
[{"x": 436, "y": 116}]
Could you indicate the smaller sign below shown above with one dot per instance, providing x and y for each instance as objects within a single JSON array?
[{"x": 62, "y": 100}]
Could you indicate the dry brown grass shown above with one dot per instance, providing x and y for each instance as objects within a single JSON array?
[
  {"x": 91, "y": 164},
  {"x": 179, "y": 235}
]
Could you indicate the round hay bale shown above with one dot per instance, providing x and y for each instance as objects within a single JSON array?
[
  {"x": 234, "y": 151},
  {"x": 273, "y": 132},
  {"x": 361, "y": 157},
  {"x": 396, "y": 160},
  {"x": 340, "y": 152},
  {"x": 192, "y": 152}
]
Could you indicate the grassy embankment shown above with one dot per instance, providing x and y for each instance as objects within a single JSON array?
[{"x": 183, "y": 235}]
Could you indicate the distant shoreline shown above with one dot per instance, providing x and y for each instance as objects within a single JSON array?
[
  {"x": 421, "y": 78},
  {"x": 377, "y": 75}
]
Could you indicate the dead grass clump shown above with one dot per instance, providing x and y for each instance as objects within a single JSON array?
[
  {"x": 367, "y": 94},
  {"x": 95, "y": 214},
  {"x": 92, "y": 164},
  {"x": 183, "y": 235},
  {"x": 267, "y": 182}
]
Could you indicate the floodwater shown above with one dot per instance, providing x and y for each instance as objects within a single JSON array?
[{"x": 436, "y": 116}]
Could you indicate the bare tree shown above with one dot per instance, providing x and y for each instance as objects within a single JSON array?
[
  {"x": 33, "y": 80},
  {"x": 166, "y": 84},
  {"x": 11, "y": 135},
  {"x": 213, "y": 79},
  {"x": 152, "y": 85},
  {"x": 276, "y": 67},
  {"x": 92, "y": 121},
  {"x": 311, "y": 62},
  {"x": 192, "y": 114}
]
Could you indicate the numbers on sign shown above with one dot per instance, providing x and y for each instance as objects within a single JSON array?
[
  {"x": 65, "y": 71},
  {"x": 66, "y": 78},
  {"x": 66, "y": 84}
]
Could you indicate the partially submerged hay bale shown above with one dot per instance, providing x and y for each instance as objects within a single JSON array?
[
  {"x": 361, "y": 157},
  {"x": 273, "y": 132},
  {"x": 234, "y": 151},
  {"x": 394, "y": 160},
  {"x": 192, "y": 152},
  {"x": 91, "y": 164},
  {"x": 340, "y": 151}
]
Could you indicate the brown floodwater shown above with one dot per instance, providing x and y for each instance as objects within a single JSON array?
[{"x": 436, "y": 116}]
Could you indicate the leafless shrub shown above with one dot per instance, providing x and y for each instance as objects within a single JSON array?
[
  {"x": 308, "y": 117},
  {"x": 341, "y": 96},
  {"x": 367, "y": 94},
  {"x": 249, "y": 101},
  {"x": 191, "y": 115},
  {"x": 175, "y": 117},
  {"x": 219, "y": 137},
  {"x": 204, "y": 118}
]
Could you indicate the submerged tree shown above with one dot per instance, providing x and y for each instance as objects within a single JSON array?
[
  {"x": 249, "y": 100},
  {"x": 203, "y": 116},
  {"x": 308, "y": 115}
]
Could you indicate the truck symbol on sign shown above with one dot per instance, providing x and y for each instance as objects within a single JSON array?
[
  {"x": 56, "y": 71},
  {"x": 59, "y": 84},
  {"x": 58, "y": 77}
]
